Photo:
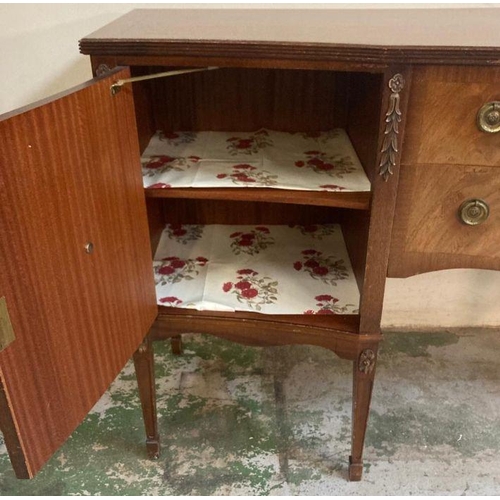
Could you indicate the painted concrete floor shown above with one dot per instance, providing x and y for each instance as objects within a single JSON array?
[{"x": 276, "y": 421}]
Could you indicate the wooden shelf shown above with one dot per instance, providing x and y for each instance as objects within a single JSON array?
[
  {"x": 319, "y": 169},
  {"x": 273, "y": 270},
  {"x": 354, "y": 200}
]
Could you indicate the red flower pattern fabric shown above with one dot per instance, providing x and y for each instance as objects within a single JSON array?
[
  {"x": 175, "y": 269},
  {"x": 170, "y": 301},
  {"x": 247, "y": 174},
  {"x": 177, "y": 138},
  {"x": 184, "y": 233},
  {"x": 157, "y": 165},
  {"x": 333, "y": 165},
  {"x": 327, "y": 269},
  {"x": 313, "y": 161},
  {"x": 248, "y": 144},
  {"x": 251, "y": 242},
  {"x": 252, "y": 290},
  {"x": 296, "y": 270},
  {"x": 329, "y": 305},
  {"x": 318, "y": 231}
]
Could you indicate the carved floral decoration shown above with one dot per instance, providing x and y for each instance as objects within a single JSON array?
[
  {"x": 366, "y": 362},
  {"x": 390, "y": 147}
]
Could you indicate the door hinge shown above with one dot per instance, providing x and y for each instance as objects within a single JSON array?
[{"x": 7, "y": 335}]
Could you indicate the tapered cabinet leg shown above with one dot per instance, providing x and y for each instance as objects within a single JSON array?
[
  {"x": 176, "y": 344},
  {"x": 364, "y": 375},
  {"x": 144, "y": 369}
]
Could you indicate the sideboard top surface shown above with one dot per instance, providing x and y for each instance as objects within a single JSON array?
[{"x": 461, "y": 35}]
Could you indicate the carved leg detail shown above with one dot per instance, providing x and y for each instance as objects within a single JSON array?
[
  {"x": 364, "y": 375},
  {"x": 144, "y": 369},
  {"x": 176, "y": 344}
]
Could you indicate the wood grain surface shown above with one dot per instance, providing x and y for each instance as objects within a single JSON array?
[
  {"x": 359, "y": 200},
  {"x": 444, "y": 156},
  {"x": 245, "y": 100},
  {"x": 442, "y": 111},
  {"x": 287, "y": 100},
  {"x": 145, "y": 372},
  {"x": 383, "y": 36},
  {"x": 428, "y": 234},
  {"x": 382, "y": 212},
  {"x": 69, "y": 175},
  {"x": 299, "y": 61},
  {"x": 366, "y": 91},
  {"x": 187, "y": 211},
  {"x": 337, "y": 333}
]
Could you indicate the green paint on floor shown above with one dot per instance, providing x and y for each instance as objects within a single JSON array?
[
  {"x": 416, "y": 344},
  {"x": 238, "y": 420}
]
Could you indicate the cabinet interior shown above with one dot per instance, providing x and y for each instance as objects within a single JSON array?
[{"x": 247, "y": 100}]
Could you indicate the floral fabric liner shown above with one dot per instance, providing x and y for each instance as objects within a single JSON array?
[
  {"x": 324, "y": 161},
  {"x": 265, "y": 269}
]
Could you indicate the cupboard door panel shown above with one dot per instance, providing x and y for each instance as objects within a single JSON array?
[{"x": 69, "y": 176}]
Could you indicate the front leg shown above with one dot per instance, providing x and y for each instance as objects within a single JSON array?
[
  {"x": 176, "y": 344},
  {"x": 144, "y": 370},
  {"x": 364, "y": 375}
]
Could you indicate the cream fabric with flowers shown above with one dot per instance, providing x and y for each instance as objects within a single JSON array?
[
  {"x": 265, "y": 269},
  {"x": 324, "y": 161}
]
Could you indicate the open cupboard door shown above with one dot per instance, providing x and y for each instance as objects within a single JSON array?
[{"x": 76, "y": 280}]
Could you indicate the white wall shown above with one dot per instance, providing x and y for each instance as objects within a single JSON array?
[{"x": 39, "y": 56}]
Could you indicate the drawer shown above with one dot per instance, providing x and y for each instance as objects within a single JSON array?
[
  {"x": 429, "y": 233},
  {"x": 442, "y": 116}
]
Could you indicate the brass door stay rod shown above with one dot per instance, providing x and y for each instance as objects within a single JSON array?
[{"x": 116, "y": 87}]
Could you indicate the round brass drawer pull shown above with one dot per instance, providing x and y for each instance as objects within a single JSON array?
[
  {"x": 89, "y": 247},
  {"x": 473, "y": 212},
  {"x": 488, "y": 117}
]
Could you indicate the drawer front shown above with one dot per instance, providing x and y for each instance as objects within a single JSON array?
[
  {"x": 439, "y": 216},
  {"x": 442, "y": 116}
]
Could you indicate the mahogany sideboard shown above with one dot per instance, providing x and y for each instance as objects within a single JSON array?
[{"x": 418, "y": 96}]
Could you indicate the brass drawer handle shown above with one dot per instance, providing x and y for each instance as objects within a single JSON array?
[
  {"x": 89, "y": 247},
  {"x": 473, "y": 212},
  {"x": 488, "y": 117}
]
